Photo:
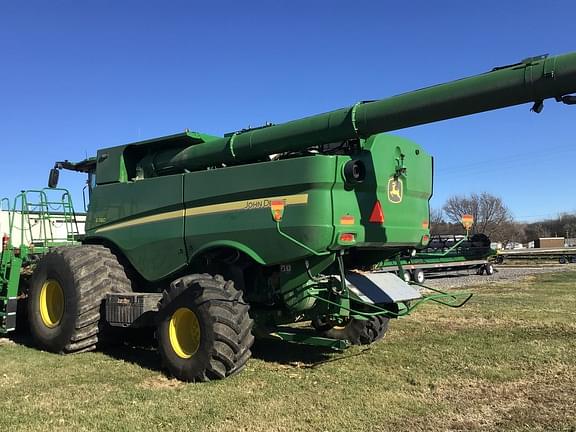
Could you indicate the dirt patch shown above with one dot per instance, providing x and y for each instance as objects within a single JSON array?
[
  {"x": 6, "y": 341},
  {"x": 485, "y": 405},
  {"x": 160, "y": 383}
]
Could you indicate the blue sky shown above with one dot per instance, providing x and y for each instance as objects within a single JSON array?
[{"x": 78, "y": 76}]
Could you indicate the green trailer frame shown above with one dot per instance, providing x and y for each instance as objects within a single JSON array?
[{"x": 461, "y": 255}]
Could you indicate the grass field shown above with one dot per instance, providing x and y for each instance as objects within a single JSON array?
[{"x": 506, "y": 361}]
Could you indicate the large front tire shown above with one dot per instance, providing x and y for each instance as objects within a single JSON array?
[
  {"x": 204, "y": 331},
  {"x": 66, "y": 294}
]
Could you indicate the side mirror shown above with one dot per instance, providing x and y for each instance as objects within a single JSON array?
[{"x": 53, "y": 178}]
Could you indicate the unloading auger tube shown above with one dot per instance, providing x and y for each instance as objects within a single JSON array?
[{"x": 532, "y": 80}]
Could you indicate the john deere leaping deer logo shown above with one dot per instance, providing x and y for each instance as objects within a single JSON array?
[{"x": 395, "y": 190}]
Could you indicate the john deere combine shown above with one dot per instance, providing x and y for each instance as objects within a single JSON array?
[{"x": 213, "y": 239}]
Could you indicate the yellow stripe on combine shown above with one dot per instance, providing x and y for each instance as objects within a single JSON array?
[
  {"x": 253, "y": 204},
  {"x": 143, "y": 220}
]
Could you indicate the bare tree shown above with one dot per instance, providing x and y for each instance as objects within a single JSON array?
[
  {"x": 510, "y": 233},
  {"x": 491, "y": 216},
  {"x": 439, "y": 225},
  {"x": 436, "y": 217}
]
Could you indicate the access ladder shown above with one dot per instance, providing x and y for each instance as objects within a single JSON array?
[{"x": 32, "y": 220}]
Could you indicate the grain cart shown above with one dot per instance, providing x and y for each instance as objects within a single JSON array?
[{"x": 212, "y": 240}]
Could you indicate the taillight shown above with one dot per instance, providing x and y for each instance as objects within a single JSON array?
[
  {"x": 347, "y": 237},
  {"x": 5, "y": 241}
]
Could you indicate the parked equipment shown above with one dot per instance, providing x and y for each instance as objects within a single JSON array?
[
  {"x": 561, "y": 255},
  {"x": 214, "y": 239},
  {"x": 444, "y": 253}
]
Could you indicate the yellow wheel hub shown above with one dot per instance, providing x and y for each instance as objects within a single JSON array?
[
  {"x": 184, "y": 332},
  {"x": 51, "y": 303}
]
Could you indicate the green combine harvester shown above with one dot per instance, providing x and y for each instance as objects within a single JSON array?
[{"x": 212, "y": 240}]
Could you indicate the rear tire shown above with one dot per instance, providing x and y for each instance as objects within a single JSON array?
[
  {"x": 360, "y": 332},
  {"x": 66, "y": 296},
  {"x": 204, "y": 331},
  {"x": 562, "y": 260}
]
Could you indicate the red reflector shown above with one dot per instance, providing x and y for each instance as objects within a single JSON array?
[
  {"x": 347, "y": 237},
  {"x": 425, "y": 239},
  {"x": 377, "y": 215}
]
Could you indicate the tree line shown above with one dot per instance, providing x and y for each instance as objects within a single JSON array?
[{"x": 493, "y": 218}]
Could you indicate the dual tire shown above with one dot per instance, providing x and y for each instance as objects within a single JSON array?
[
  {"x": 204, "y": 330},
  {"x": 487, "y": 269},
  {"x": 416, "y": 275}
]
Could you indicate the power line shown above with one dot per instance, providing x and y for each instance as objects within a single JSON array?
[{"x": 551, "y": 152}]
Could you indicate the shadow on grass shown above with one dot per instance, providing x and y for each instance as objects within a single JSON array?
[
  {"x": 132, "y": 347},
  {"x": 145, "y": 357},
  {"x": 138, "y": 347},
  {"x": 21, "y": 337},
  {"x": 277, "y": 351}
]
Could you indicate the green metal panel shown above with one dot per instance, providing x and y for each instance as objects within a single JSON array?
[
  {"x": 113, "y": 166},
  {"x": 406, "y": 221},
  {"x": 145, "y": 220},
  {"x": 233, "y": 205},
  {"x": 230, "y": 207},
  {"x": 110, "y": 167}
]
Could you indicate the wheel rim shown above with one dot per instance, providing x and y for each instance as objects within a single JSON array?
[
  {"x": 51, "y": 303},
  {"x": 184, "y": 332}
]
